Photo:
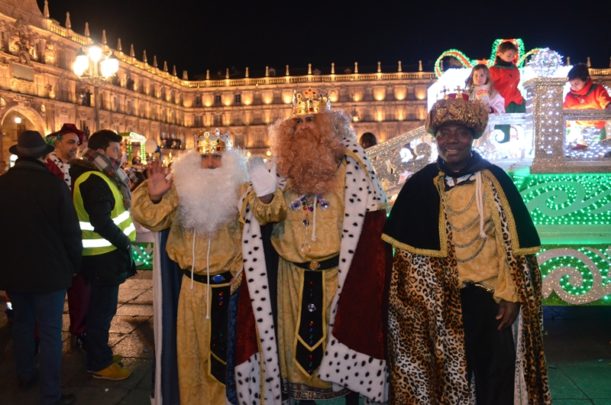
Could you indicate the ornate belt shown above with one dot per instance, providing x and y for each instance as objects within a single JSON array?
[
  {"x": 319, "y": 265},
  {"x": 221, "y": 278}
]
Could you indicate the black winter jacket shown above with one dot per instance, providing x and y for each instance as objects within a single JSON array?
[{"x": 41, "y": 244}]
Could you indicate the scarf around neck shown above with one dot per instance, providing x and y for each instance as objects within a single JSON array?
[{"x": 113, "y": 170}]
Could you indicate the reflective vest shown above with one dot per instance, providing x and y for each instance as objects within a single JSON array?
[{"x": 93, "y": 242}]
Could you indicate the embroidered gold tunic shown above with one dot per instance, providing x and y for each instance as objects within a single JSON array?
[
  {"x": 307, "y": 228},
  {"x": 197, "y": 385},
  {"x": 225, "y": 242},
  {"x": 479, "y": 259}
]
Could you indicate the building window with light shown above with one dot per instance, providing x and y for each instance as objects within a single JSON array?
[
  {"x": 84, "y": 96},
  {"x": 62, "y": 60},
  {"x": 238, "y": 140}
]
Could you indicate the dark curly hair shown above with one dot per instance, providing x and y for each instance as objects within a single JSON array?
[{"x": 579, "y": 71}]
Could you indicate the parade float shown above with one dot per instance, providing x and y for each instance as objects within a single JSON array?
[
  {"x": 564, "y": 177},
  {"x": 134, "y": 145},
  {"x": 138, "y": 151}
]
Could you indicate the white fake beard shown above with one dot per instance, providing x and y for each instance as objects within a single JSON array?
[{"x": 208, "y": 198}]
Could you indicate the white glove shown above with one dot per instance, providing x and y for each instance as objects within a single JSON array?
[{"x": 263, "y": 181}]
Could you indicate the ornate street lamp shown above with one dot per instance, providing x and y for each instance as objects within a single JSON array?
[{"x": 95, "y": 66}]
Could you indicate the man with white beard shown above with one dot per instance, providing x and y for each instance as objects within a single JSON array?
[{"x": 198, "y": 203}]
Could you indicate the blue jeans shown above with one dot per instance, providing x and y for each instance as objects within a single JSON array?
[
  {"x": 102, "y": 308},
  {"x": 46, "y": 309}
]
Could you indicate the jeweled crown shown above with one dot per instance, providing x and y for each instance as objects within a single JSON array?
[
  {"x": 211, "y": 143},
  {"x": 310, "y": 101},
  {"x": 471, "y": 114}
]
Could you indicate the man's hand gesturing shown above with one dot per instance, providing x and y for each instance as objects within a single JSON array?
[{"x": 158, "y": 182}]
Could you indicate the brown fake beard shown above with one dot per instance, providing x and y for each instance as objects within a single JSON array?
[{"x": 308, "y": 158}]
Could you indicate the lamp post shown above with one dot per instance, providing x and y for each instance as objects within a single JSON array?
[{"x": 95, "y": 66}]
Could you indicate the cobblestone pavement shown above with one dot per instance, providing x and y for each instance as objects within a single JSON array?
[
  {"x": 578, "y": 347},
  {"x": 578, "y": 351},
  {"x": 131, "y": 335}
]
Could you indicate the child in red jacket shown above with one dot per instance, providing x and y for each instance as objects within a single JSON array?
[
  {"x": 585, "y": 95},
  {"x": 505, "y": 78}
]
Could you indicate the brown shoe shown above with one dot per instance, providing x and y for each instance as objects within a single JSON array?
[{"x": 114, "y": 372}]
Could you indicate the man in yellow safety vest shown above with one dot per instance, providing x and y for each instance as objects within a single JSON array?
[{"x": 102, "y": 200}]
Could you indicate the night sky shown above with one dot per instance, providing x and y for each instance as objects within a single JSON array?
[{"x": 199, "y": 35}]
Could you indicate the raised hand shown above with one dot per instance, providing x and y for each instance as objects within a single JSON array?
[
  {"x": 263, "y": 181},
  {"x": 158, "y": 182}
]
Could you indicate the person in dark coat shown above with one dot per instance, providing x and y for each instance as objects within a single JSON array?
[
  {"x": 66, "y": 142},
  {"x": 40, "y": 257},
  {"x": 102, "y": 199}
]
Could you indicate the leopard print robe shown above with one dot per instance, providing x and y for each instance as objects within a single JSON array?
[{"x": 427, "y": 357}]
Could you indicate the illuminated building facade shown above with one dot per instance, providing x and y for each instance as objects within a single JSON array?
[
  {"x": 39, "y": 91},
  {"x": 566, "y": 191}
]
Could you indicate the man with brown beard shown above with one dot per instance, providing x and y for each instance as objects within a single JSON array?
[
  {"x": 310, "y": 317},
  {"x": 199, "y": 206}
]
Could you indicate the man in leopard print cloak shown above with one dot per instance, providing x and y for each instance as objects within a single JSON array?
[{"x": 464, "y": 322}]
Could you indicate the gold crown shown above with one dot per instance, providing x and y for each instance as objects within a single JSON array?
[
  {"x": 471, "y": 114},
  {"x": 310, "y": 102},
  {"x": 211, "y": 143}
]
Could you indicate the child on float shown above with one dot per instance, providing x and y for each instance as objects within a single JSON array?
[
  {"x": 480, "y": 87},
  {"x": 585, "y": 95},
  {"x": 505, "y": 78}
]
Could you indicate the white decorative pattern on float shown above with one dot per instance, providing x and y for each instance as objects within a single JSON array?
[{"x": 577, "y": 275}]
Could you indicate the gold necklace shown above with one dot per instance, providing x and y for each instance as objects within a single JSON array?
[{"x": 461, "y": 210}]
